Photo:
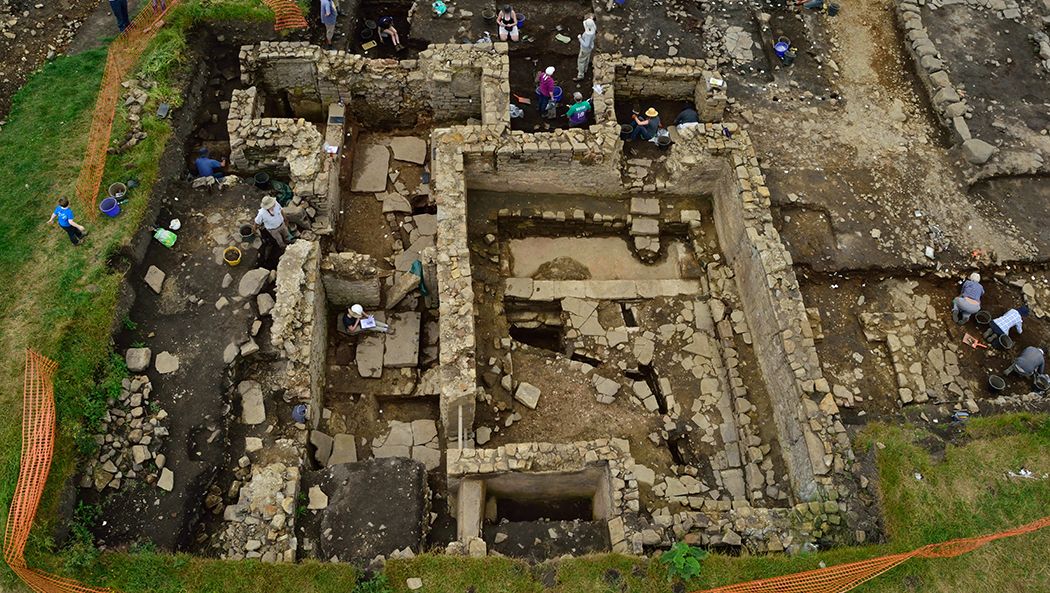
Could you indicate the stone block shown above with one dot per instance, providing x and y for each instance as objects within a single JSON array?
[
  {"x": 344, "y": 449},
  {"x": 138, "y": 359},
  {"x": 402, "y": 343},
  {"x": 155, "y": 279}
]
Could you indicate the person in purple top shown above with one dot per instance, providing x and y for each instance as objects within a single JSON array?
[
  {"x": 64, "y": 215},
  {"x": 545, "y": 88},
  {"x": 969, "y": 300}
]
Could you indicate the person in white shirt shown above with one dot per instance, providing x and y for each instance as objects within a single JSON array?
[
  {"x": 271, "y": 219},
  {"x": 353, "y": 321},
  {"x": 590, "y": 31}
]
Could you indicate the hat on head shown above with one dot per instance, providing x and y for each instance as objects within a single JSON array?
[
  {"x": 975, "y": 277},
  {"x": 357, "y": 310},
  {"x": 1023, "y": 310},
  {"x": 577, "y": 96},
  {"x": 651, "y": 112},
  {"x": 203, "y": 152},
  {"x": 268, "y": 202},
  {"x": 550, "y": 70}
]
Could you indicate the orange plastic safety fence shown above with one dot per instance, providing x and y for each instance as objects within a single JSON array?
[
  {"x": 123, "y": 54},
  {"x": 287, "y": 14},
  {"x": 38, "y": 440},
  {"x": 837, "y": 579}
]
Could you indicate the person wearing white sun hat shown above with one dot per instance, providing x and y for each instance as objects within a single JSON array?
[
  {"x": 354, "y": 320},
  {"x": 272, "y": 220}
]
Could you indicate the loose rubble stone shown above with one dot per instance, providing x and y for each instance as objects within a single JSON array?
[
  {"x": 252, "y": 282},
  {"x": 155, "y": 279},
  {"x": 138, "y": 359},
  {"x": 166, "y": 363},
  {"x": 166, "y": 480},
  {"x": 527, "y": 394}
]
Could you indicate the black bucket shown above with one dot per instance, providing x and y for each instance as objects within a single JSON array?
[
  {"x": 262, "y": 180},
  {"x": 247, "y": 232},
  {"x": 1042, "y": 383},
  {"x": 663, "y": 142},
  {"x": 996, "y": 383},
  {"x": 1004, "y": 342},
  {"x": 370, "y": 24},
  {"x": 982, "y": 317},
  {"x": 626, "y": 129},
  {"x": 366, "y": 34}
]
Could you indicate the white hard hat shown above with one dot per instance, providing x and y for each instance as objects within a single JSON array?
[
  {"x": 357, "y": 310},
  {"x": 175, "y": 224},
  {"x": 550, "y": 70}
]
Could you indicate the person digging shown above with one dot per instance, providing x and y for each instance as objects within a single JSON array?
[
  {"x": 969, "y": 300},
  {"x": 271, "y": 219},
  {"x": 1002, "y": 325},
  {"x": 1030, "y": 364}
]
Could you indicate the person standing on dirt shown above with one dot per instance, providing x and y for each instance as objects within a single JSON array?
[
  {"x": 1001, "y": 326},
  {"x": 328, "y": 14},
  {"x": 969, "y": 300},
  {"x": 355, "y": 321},
  {"x": 545, "y": 89},
  {"x": 507, "y": 20},
  {"x": 209, "y": 167},
  {"x": 1031, "y": 363},
  {"x": 590, "y": 31},
  {"x": 119, "y": 8},
  {"x": 387, "y": 31},
  {"x": 64, "y": 215},
  {"x": 272, "y": 220}
]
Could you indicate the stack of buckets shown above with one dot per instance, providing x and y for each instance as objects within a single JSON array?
[{"x": 111, "y": 205}]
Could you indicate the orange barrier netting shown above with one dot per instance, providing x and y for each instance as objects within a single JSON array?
[
  {"x": 123, "y": 54},
  {"x": 843, "y": 577},
  {"x": 38, "y": 441}
]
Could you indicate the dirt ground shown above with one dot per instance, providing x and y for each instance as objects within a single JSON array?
[{"x": 865, "y": 158}]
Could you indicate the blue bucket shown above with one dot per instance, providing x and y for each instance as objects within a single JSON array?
[
  {"x": 521, "y": 20},
  {"x": 782, "y": 46},
  {"x": 557, "y": 94},
  {"x": 110, "y": 207}
]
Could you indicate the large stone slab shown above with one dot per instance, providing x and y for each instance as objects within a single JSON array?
[
  {"x": 155, "y": 279},
  {"x": 344, "y": 449},
  {"x": 402, "y": 343},
  {"x": 409, "y": 149},
  {"x": 371, "y": 164},
  {"x": 253, "y": 408},
  {"x": 370, "y": 349}
]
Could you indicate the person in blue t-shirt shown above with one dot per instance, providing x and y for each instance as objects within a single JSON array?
[
  {"x": 64, "y": 215},
  {"x": 209, "y": 167}
]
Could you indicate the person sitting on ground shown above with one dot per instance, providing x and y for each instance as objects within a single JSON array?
[
  {"x": 64, "y": 215},
  {"x": 507, "y": 20},
  {"x": 645, "y": 126},
  {"x": 1031, "y": 363},
  {"x": 545, "y": 86},
  {"x": 387, "y": 31},
  {"x": 329, "y": 12},
  {"x": 579, "y": 110},
  {"x": 354, "y": 321},
  {"x": 209, "y": 167},
  {"x": 969, "y": 300},
  {"x": 1001, "y": 326},
  {"x": 272, "y": 220},
  {"x": 687, "y": 118}
]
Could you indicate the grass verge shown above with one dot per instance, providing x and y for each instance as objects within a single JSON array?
[{"x": 60, "y": 299}]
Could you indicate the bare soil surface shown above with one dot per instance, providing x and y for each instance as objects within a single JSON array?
[{"x": 868, "y": 156}]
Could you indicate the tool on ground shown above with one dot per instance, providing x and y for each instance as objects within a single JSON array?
[
  {"x": 974, "y": 342},
  {"x": 563, "y": 38},
  {"x": 524, "y": 100},
  {"x": 164, "y": 236},
  {"x": 368, "y": 46}
]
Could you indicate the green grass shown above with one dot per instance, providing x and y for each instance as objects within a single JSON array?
[{"x": 58, "y": 299}]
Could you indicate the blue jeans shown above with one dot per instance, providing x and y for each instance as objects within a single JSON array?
[
  {"x": 120, "y": 12},
  {"x": 640, "y": 132},
  {"x": 541, "y": 102}
]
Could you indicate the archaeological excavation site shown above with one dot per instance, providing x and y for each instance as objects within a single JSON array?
[{"x": 482, "y": 331}]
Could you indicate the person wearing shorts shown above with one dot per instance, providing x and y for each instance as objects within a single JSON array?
[{"x": 507, "y": 20}]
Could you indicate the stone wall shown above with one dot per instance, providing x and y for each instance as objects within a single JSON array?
[
  {"x": 619, "y": 506},
  {"x": 453, "y": 82},
  {"x": 292, "y": 148},
  {"x": 813, "y": 440},
  {"x": 300, "y": 324},
  {"x": 683, "y": 79},
  {"x": 350, "y": 278}
]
